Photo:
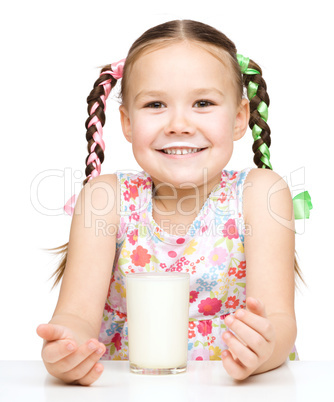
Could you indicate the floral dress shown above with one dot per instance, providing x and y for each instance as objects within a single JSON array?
[{"x": 212, "y": 252}]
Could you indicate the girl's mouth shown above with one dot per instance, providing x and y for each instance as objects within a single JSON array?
[{"x": 180, "y": 156}]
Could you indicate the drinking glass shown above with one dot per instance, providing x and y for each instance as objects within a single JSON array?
[{"x": 158, "y": 317}]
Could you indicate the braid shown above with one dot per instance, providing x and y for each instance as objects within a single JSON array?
[
  {"x": 258, "y": 102},
  {"x": 94, "y": 123}
]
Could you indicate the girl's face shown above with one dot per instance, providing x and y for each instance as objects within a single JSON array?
[{"x": 182, "y": 93}]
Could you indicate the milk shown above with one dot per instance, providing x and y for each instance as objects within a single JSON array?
[{"x": 158, "y": 316}]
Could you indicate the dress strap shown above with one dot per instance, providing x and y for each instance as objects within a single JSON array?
[{"x": 134, "y": 187}]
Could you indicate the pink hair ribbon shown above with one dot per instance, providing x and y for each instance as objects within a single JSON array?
[
  {"x": 69, "y": 206},
  {"x": 116, "y": 71}
]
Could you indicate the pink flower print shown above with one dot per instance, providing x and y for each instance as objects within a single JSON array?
[
  {"x": 230, "y": 229},
  {"x": 147, "y": 183},
  {"x": 205, "y": 327},
  {"x": 204, "y": 228},
  {"x": 218, "y": 255},
  {"x": 193, "y": 296},
  {"x": 209, "y": 306},
  {"x": 126, "y": 195},
  {"x": 132, "y": 207},
  {"x": 232, "y": 302},
  {"x": 140, "y": 256},
  {"x": 135, "y": 217},
  {"x": 108, "y": 308},
  {"x": 133, "y": 192},
  {"x": 200, "y": 354},
  {"x": 117, "y": 341},
  {"x": 133, "y": 236}
]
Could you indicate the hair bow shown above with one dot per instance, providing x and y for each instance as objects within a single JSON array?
[{"x": 117, "y": 69}]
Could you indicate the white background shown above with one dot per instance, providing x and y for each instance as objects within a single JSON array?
[{"x": 50, "y": 52}]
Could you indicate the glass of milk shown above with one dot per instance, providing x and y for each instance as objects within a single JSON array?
[{"x": 158, "y": 317}]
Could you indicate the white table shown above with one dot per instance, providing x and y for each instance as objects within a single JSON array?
[{"x": 204, "y": 381}]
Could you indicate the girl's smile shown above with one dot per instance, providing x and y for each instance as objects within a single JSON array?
[{"x": 182, "y": 153}]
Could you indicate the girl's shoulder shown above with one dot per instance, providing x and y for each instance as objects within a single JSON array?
[
  {"x": 268, "y": 192},
  {"x": 101, "y": 197}
]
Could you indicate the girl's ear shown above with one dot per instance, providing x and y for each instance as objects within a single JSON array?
[
  {"x": 241, "y": 120},
  {"x": 125, "y": 121}
]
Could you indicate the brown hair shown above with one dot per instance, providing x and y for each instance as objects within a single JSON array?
[{"x": 163, "y": 35}]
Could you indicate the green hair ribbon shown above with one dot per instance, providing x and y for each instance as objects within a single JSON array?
[
  {"x": 262, "y": 108},
  {"x": 301, "y": 202},
  {"x": 302, "y": 205}
]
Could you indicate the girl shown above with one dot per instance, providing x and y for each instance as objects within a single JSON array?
[{"x": 182, "y": 108}]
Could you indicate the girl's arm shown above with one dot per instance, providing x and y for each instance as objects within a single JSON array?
[
  {"x": 267, "y": 328},
  {"x": 71, "y": 349}
]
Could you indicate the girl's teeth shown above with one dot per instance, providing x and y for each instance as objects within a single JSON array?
[{"x": 180, "y": 151}]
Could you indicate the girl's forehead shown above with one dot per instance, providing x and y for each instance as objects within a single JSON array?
[
  {"x": 182, "y": 53},
  {"x": 183, "y": 62}
]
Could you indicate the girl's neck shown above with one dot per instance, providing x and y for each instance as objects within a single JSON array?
[{"x": 172, "y": 201}]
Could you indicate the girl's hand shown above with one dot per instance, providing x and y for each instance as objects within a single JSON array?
[
  {"x": 64, "y": 359},
  {"x": 256, "y": 340}
]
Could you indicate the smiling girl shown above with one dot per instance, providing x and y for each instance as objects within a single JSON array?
[{"x": 183, "y": 106}]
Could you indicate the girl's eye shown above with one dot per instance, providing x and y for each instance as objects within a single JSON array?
[
  {"x": 155, "y": 105},
  {"x": 203, "y": 103}
]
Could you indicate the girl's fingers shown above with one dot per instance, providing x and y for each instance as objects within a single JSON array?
[
  {"x": 92, "y": 375},
  {"x": 232, "y": 367},
  {"x": 243, "y": 354},
  {"x": 57, "y": 350},
  {"x": 255, "y": 322},
  {"x": 255, "y": 340},
  {"x": 89, "y": 352},
  {"x": 256, "y": 306},
  {"x": 86, "y": 372}
]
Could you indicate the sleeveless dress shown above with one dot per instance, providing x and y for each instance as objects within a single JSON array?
[{"x": 212, "y": 252}]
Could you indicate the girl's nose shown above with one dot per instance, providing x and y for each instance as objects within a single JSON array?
[{"x": 178, "y": 123}]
